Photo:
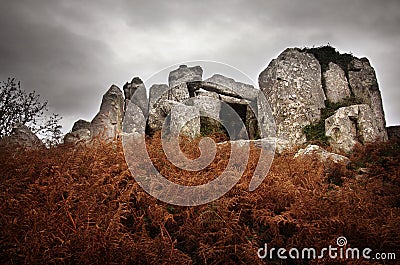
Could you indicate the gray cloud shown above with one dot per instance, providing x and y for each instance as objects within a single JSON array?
[{"x": 72, "y": 51}]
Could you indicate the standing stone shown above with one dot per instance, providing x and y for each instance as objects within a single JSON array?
[
  {"x": 177, "y": 81},
  {"x": 157, "y": 92},
  {"x": 209, "y": 106},
  {"x": 364, "y": 85},
  {"x": 108, "y": 121},
  {"x": 21, "y": 136},
  {"x": 185, "y": 74},
  {"x": 352, "y": 125},
  {"x": 292, "y": 85},
  {"x": 134, "y": 121},
  {"x": 157, "y": 102},
  {"x": 336, "y": 84},
  {"x": 135, "y": 92},
  {"x": 185, "y": 120}
]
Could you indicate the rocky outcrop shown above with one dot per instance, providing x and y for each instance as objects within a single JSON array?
[
  {"x": 364, "y": 85},
  {"x": 336, "y": 84},
  {"x": 305, "y": 89},
  {"x": 352, "y": 125},
  {"x": 296, "y": 91},
  {"x": 108, "y": 122},
  {"x": 322, "y": 154},
  {"x": 22, "y": 137},
  {"x": 292, "y": 85}
]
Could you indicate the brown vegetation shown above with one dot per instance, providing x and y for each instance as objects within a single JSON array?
[{"x": 81, "y": 205}]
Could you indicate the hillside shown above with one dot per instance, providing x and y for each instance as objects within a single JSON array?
[{"x": 80, "y": 205}]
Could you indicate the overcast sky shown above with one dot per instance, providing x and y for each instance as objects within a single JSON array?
[{"x": 71, "y": 52}]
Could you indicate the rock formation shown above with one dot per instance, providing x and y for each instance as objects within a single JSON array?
[
  {"x": 135, "y": 92},
  {"x": 352, "y": 125},
  {"x": 292, "y": 85},
  {"x": 80, "y": 132},
  {"x": 187, "y": 86},
  {"x": 108, "y": 122},
  {"x": 301, "y": 83},
  {"x": 306, "y": 88},
  {"x": 364, "y": 85}
]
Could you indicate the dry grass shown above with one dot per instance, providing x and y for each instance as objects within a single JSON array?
[{"x": 82, "y": 206}]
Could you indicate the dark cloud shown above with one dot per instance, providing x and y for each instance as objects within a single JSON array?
[{"x": 72, "y": 51}]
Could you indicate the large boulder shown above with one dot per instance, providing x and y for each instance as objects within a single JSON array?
[
  {"x": 22, "y": 137},
  {"x": 80, "y": 133},
  {"x": 364, "y": 85},
  {"x": 292, "y": 85},
  {"x": 336, "y": 84},
  {"x": 352, "y": 125},
  {"x": 108, "y": 122},
  {"x": 321, "y": 154},
  {"x": 228, "y": 85}
]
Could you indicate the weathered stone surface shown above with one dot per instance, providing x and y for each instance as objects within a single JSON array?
[
  {"x": 158, "y": 113},
  {"x": 185, "y": 120},
  {"x": 228, "y": 85},
  {"x": 336, "y": 84},
  {"x": 393, "y": 132},
  {"x": 80, "y": 135},
  {"x": 135, "y": 92},
  {"x": 108, "y": 122},
  {"x": 134, "y": 120},
  {"x": 185, "y": 74},
  {"x": 157, "y": 92},
  {"x": 80, "y": 124},
  {"x": 209, "y": 107},
  {"x": 352, "y": 125},
  {"x": 364, "y": 85},
  {"x": 178, "y": 80},
  {"x": 322, "y": 154},
  {"x": 22, "y": 137},
  {"x": 178, "y": 93},
  {"x": 292, "y": 85}
]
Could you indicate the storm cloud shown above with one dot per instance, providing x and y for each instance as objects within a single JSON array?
[{"x": 71, "y": 52}]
